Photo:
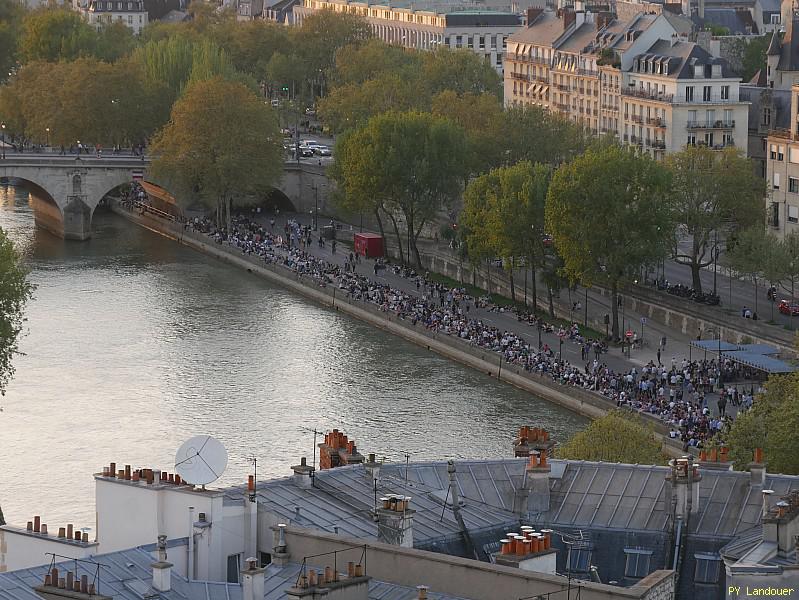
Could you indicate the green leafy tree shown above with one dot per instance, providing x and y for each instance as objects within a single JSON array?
[
  {"x": 607, "y": 214},
  {"x": 221, "y": 145},
  {"x": 461, "y": 71},
  {"x": 114, "y": 41},
  {"x": 771, "y": 424},
  {"x": 714, "y": 194},
  {"x": 619, "y": 436},
  {"x": 750, "y": 254},
  {"x": 322, "y": 34},
  {"x": 412, "y": 164},
  {"x": 54, "y": 34},
  {"x": 359, "y": 63},
  {"x": 86, "y": 100},
  {"x": 352, "y": 105},
  {"x": 481, "y": 117},
  {"x": 557, "y": 140},
  {"x": 504, "y": 215},
  {"x": 10, "y": 23},
  {"x": 250, "y": 45},
  {"x": 15, "y": 291}
]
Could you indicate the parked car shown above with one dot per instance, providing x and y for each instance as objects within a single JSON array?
[
  {"x": 789, "y": 307},
  {"x": 322, "y": 151}
]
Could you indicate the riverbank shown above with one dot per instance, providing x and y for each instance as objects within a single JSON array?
[{"x": 581, "y": 401}]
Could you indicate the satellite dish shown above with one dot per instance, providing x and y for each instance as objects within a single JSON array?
[{"x": 201, "y": 460}]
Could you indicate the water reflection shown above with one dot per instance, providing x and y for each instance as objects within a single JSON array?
[{"x": 136, "y": 343}]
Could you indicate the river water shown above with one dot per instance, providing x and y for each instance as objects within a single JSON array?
[{"x": 135, "y": 343}]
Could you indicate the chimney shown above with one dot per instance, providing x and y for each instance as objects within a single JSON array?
[
  {"x": 781, "y": 523},
  {"x": 757, "y": 469},
  {"x": 328, "y": 583},
  {"x": 162, "y": 570},
  {"x": 421, "y": 591},
  {"x": 701, "y": 9},
  {"x": 534, "y": 495},
  {"x": 372, "y": 468},
  {"x": 252, "y": 581},
  {"x": 568, "y": 18},
  {"x": 684, "y": 477},
  {"x": 280, "y": 553},
  {"x": 338, "y": 450},
  {"x": 533, "y": 14},
  {"x": 528, "y": 550},
  {"x": 303, "y": 474},
  {"x": 395, "y": 521}
]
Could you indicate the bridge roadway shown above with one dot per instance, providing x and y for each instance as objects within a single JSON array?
[{"x": 69, "y": 187}]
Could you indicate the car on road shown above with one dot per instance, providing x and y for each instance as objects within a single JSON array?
[
  {"x": 789, "y": 307},
  {"x": 322, "y": 151}
]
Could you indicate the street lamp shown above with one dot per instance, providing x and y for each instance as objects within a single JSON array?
[
  {"x": 540, "y": 327},
  {"x": 47, "y": 129},
  {"x": 3, "y": 126},
  {"x": 316, "y": 207},
  {"x": 78, "y": 149}
]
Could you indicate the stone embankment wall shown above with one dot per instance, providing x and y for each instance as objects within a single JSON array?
[{"x": 581, "y": 401}]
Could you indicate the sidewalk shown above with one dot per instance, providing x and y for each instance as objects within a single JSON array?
[{"x": 676, "y": 349}]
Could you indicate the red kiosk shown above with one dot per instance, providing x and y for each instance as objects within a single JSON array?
[{"x": 369, "y": 245}]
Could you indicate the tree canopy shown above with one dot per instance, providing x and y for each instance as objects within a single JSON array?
[
  {"x": 618, "y": 436},
  {"x": 411, "y": 163},
  {"x": 609, "y": 217},
  {"x": 222, "y": 145},
  {"x": 714, "y": 194},
  {"x": 15, "y": 291},
  {"x": 771, "y": 424}
]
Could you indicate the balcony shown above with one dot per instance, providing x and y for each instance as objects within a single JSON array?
[
  {"x": 562, "y": 88},
  {"x": 658, "y": 144},
  {"x": 656, "y": 122},
  {"x": 636, "y": 119},
  {"x": 639, "y": 93},
  {"x": 781, "y": 133},
  {"x": 594, "y": 112},
  {"x": 611, "y": 107},
  {"x": 521, "y": 76},
  {"x": 710, "y": 125},
  {"x": 562, "y": 107},
  {"x": 729, "y": 144},
  {"x": 539, "y": 78}
]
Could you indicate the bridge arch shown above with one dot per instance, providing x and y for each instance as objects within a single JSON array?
[{"x": 46, "y": 211}]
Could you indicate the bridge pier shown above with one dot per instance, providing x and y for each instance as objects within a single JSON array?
[{"x": 77, "y": 216}]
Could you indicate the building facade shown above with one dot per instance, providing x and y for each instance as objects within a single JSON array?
[
  {"x": 636, "y": 80},
  {"x": 782, "y": 173},
  {"x": 484, "y": 32},
  {"x": 98, "y": 13}
]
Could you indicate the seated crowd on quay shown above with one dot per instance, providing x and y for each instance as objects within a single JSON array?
[{"x": 676, "y": 394}]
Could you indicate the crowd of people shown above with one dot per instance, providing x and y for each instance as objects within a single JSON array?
[{"x": 677, "y": 394}]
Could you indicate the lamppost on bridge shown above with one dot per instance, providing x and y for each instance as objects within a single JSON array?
[
  {"x": 47, "y": 129},
  {"x": 3, "y": 126},
  {"x": 78, "y": 153}
]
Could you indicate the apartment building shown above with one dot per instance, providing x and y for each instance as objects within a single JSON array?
[
  {"x": 782, "y": 173},
  {"x": 98, "y": 13},
  {"x": 637, "y": 80},
  {"x": 426, "y": 26}
]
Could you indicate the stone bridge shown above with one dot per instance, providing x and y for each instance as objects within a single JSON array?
[{"x": 70, "y": 188}]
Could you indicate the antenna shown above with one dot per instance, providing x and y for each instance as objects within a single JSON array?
[
  {"x": 315, "y": 432},
  {"x": 201, "y": 460}
]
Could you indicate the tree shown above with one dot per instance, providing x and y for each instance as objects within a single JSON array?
[
  {"x": 222, "y": 144},
  {"x": 607, "y": 213},
  {"x": 557, "y": 140},
  {"x": 114, "y": 41},
  {"x": 251, "y": 44},
  {"x": 481, "y": 117},
  {"x": 84, "y": 100},
  {"x": 10, "y": 22},
  {"x": 619, "y": 436},
  {"x": 753, "y": 253},
  {"x": 54, "y": 34},
  {"x": 461, "y": 71},
  {"x": 410, "y": 163},
  {"x": 503, "y": 215},
  {"x": 714, "y": 194},
  {"x": 359, "y": 63},
  {"x": 771, "y": 424},
  {"x": 352, "y": 105},
  {"x": 15, "y": 291},
  {"x": 322, "y": 34}
]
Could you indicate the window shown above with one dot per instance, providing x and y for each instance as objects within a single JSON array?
[
  {"x": 793, "y": 214},
  {"x": 780, "y": 153},
  {"x": 579, "y": 559},
  {"x": 774, "y": 215},
  {"x": 776, "y": 181},
  {"x": 265, "y": 559},
  {"x": 499, "y": 60},
  {"x": 689, "y": 93},
  {"x": 637, "y": 565},
  {"x": 130, "y": 17},
  {"x": 706, "y": 93},
  {"x": 691, "y": 140},
  {"x": 793, "y": 185},
  {"x": 233, "y": 568},
  {"x": 709, "y": 139},
  {"x": 775, "y": 19},
  {"x": 773, "y": 152},
  {"x": 707, "y": 568},
  {"x": 725, "y": 92},
  {"x": 482, "y": 42}
]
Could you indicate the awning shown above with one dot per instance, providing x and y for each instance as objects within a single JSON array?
[
  {"x": 759, "y": 348},
  {"x": 158, "y": 192},
  {"x": 760, "y": 362},
  {"x": 713, "y": 345}
]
